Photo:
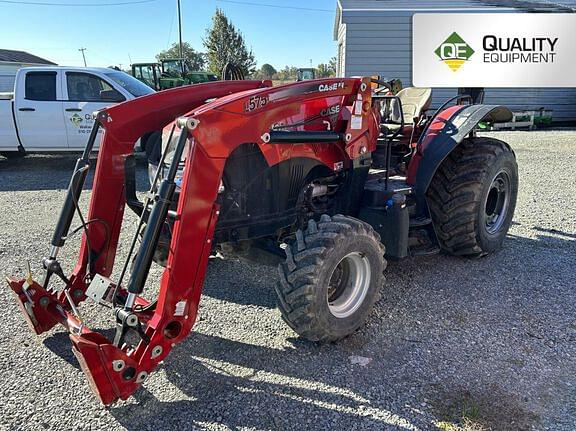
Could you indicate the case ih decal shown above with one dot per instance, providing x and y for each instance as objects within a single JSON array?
[
  {"x": 331, "y": 87},
  {"x": 332, "y": 110}
]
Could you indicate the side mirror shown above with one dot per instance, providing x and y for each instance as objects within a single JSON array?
[{"x": 111, "y": 96}]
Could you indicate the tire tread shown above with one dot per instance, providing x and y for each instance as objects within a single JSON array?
[
  {"x": 454, "y": 194},
  {"x": 300, "y": 274}
]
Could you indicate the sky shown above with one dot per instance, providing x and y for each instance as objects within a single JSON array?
[{"x": 124, "y": 34}]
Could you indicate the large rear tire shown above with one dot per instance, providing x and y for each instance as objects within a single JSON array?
[
  {"x": 331, "y": 278},
  {"x": 472, "y": 197}
]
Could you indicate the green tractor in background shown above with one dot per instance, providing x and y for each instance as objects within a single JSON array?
[
  {"x": 148, "y": 73},
  {"x": 305, "y": 74},
  {"x": 169, "y": 73}
]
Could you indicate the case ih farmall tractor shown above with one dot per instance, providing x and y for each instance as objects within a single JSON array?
[{"x": 319, "y": 174}]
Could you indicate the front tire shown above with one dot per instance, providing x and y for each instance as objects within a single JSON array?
[
  {"x": 472, "y": 197},
  {"x": 331, "y": 278}
]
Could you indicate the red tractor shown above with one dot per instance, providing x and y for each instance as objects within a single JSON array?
[{"x": 325, "y": 176}]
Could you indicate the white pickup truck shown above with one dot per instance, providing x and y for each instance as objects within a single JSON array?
[{"x": 51, "y": 107}]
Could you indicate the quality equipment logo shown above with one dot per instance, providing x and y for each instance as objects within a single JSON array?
[
  {"x": 454, "y": 51},
  {"x": 76, "y": 120}
]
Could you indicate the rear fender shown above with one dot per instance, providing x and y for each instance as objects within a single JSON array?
[{"x": 449, "y": 128}]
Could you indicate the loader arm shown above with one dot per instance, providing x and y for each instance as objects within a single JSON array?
[{"x": 332, "y": 118}]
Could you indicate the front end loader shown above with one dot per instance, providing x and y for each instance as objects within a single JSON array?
[{"x": 326, "y": 178}]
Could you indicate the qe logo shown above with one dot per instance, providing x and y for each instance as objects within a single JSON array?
[{"x": 454, "y": 51}]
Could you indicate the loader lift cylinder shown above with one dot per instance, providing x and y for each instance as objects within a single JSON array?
[
  {"x": 69, "y": 207},
  {"x": 153, "y": 229},
  {"x": 74, "y": 191}
]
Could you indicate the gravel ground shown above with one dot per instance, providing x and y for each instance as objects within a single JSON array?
[{"x": 453, "y": 344}]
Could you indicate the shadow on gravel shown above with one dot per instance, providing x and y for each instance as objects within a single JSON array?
[
  {"x": 265, "y": 380},
  {"x": 545, "y": 234},
  {"x": 269, "y": 381},
  {"x": 59, "y": 344},
  {"x": 52, "y": 172},
  {"x": 489, "y": 408},
  {"x": 559, "y": 240},
  {"x": 239, "y": 385},
  {"x": 555, "y": 232},
  {"x": 234, "y": 289}
]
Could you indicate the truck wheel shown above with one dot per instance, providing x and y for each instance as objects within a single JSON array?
[
  {"x": 331, "y": 278},
  {"x": 153, "y": 147},
  {"x": 472, "y": 197}
]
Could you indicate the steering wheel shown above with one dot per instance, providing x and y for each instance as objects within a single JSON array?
[{"x": 384, "y": 84}]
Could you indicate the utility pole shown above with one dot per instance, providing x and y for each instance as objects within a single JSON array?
[
  {"x": 180, "y": 37},
  {"x": 83, "y": 56}
]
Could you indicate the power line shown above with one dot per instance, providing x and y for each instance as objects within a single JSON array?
[
  {"x": 36, "y": 3},
  {"x": 274, "y": 6},
  {"x": 170, "y": 31}
]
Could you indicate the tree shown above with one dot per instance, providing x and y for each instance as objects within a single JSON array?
[
  {"x": 224, "y": 43},
  {"x": 323, "y": 71},
  {"x": 326, "y": 70},
  {"x": 195, "y": 60},
  {"x": 333, "y": 63},
  {"x": 267, "y": 71},
  {"x": 289, "y": 73}
]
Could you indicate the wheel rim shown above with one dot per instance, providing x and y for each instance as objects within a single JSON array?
[
  {"x": 497, "y": 203},
  {"x": 348, "y": 285}
]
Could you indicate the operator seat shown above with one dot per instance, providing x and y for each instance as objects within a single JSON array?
[{"x": 415, "y": 101}]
